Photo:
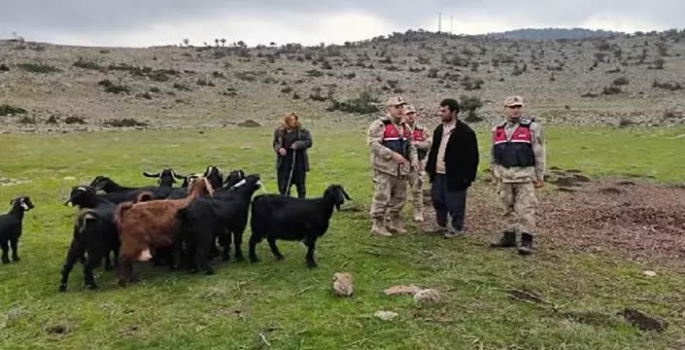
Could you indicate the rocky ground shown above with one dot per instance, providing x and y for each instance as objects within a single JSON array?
[
  {"x": 619, "y": 81},
  {"x": 640, "y": 220}
]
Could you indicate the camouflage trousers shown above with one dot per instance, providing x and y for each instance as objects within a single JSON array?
[
  {"x": 389, "y": 194},
  {"x": 416, "y": 186},
  {"x": 519, "y": 204}
]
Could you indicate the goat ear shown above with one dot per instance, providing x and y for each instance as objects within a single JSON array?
[
  {"x": 147, "y": 174},
  {"x": 347, "y": 196}
]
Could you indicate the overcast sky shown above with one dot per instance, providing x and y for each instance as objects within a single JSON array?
[{"x": 160, "y": 22}]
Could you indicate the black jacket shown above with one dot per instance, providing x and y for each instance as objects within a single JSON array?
[{"x": 461, "y": 156}]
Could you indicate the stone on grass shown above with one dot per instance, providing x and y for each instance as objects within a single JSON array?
[
  {"x": 342, "y": 284},
  {"x": 402, "y": 290},
  {"x": 427, "y": 296},
  {"x": 385, "y": 315}
]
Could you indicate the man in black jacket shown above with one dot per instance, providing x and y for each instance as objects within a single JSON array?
[{"x": 452, "y": 166}]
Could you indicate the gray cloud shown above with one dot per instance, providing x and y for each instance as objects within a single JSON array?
[{"x": 49, "y": 17}]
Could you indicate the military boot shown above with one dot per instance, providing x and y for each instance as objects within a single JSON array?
[
  {"x": 508, "y": 240},
  {"x": 378, "y": 228},
  {"x": 526, "y": 244},
  {"x": 396, "y": 225}
]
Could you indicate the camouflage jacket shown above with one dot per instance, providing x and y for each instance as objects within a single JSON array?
[
  {"x": 521, "y": 174},
  {"x": 381, "y": 156},
  {"x": 422, "y": 140}
]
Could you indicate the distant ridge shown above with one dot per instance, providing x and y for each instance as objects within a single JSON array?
[{"x": 553, "y": 33}]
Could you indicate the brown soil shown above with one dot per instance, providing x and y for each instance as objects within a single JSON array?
[{"x": 641, "y": 220}]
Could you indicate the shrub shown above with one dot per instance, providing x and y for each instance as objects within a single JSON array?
[
  {"x": 87, "y": 65},
  {"x": 457, "y": 60},
  {"x": 245, "y": 76},
  {"x": 433, "y": 73},
  {"x": 74, "y": 120},
  {"x": 621, "y": 81},
  {"x": 4, "y": 68},
  {"x": 611, "y": 90},
  {"x": 28, "y": 120},
  {"x": 181, "y": 87},
  {"x": 205, "y": 82},
  {"x": 314, "y": 73},
  {"x": 6, "y": 109},
  {"x": 667, "y": 86},
  {"x": 471, "y": 105},
  {"x": 365, "y": 103},
  {"x": 38, "y": 68},
  {"x": 121, "y": 123},
  {"x": 154, "y": 89},
  {"x": 114, "y": 88},
  {"x": 658, "y": 64},
  {"x": 287, "y": 90}
]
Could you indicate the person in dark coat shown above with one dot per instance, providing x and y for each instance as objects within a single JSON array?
[
  {"x": 452, "y": 166},
  {"x": 291, "y": 142}
]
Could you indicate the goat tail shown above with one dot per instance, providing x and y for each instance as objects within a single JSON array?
[
  {"x": 82, "y": 219},
  {"x": 144, "y": 196}
]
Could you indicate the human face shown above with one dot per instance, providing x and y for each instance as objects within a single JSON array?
[
  {"x": 291, "y": 121},
  {"x": 410, "y": 117},
  {"x": 397, "y": 112},
  {"x": 446, "y": 114},
  {"x": 514, "y": 112}
]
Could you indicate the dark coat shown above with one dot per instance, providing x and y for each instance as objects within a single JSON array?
[
  {"x": 303, "y": 141},
  {"x": 461, "y": 156}
]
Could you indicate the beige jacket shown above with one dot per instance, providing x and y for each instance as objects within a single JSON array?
[{"x": 381, "y": 156}]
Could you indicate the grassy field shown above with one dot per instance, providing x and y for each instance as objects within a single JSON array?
[{"x": 285, "y": 305}]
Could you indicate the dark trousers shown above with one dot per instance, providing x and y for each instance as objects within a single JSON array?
[
  {"x": 298, "y": 179},
  {"x": 446, "y": 201}
]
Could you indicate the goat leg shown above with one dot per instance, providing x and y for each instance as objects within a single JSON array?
[
  {"x": 108, "y": 263},
  {"x": 274, "y": 248},
  {"x": 237, "y": 242},
  {"x": 311, "y": 244},
  {"x": 13, "y": 244},
  {"x": 5, "y": 252},
  {"x": 225, "y": 242},
  {"x": 75, "y": 253},
  {"x": 254, "y": 240},
  {"x": 202, "y": 251},
  {"x": 93, "y": 261}
]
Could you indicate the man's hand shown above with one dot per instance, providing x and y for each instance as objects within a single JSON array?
[
  {"x": 293, "y": 146},
  {"x": 399, "y": 158},
  {"x": 282, "y": 151},
  {"x": 414, "y": 166},
  {"x": 539, "y": 183}
]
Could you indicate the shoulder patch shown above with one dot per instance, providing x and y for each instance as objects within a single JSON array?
[{"x": 526, "y": 121}]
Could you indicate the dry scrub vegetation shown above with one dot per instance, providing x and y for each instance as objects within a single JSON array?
[{"x": 620, "y": 80}]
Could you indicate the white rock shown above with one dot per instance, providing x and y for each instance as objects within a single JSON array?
[
  {"x": 649, "y": 273},
  {"x": 427, "y": 296},
  {"x": 385, "y": 315}
]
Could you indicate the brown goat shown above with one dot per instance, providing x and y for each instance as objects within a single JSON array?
[{"x": 150, "y": 224}]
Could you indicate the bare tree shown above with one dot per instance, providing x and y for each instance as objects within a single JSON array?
[
  {"x": 223, "y": 42},
  {"x": 186, "y": 42}
]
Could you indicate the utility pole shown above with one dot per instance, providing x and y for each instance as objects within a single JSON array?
[
  {"x": 440, "y": 22},
  {"x": 451, "y": 19}
]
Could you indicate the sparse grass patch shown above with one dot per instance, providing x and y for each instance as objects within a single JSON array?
[
  {"x": 39, "y": 68},
  {"x": 365, "y": 103},
  {"x": 114, "y": 88},
  {"x": 81, "y": 63}
]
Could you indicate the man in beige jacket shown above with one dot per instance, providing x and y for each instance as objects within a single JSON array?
[
  {"x": 517, "y": 161},
  {"x": 393, "y": 156}
]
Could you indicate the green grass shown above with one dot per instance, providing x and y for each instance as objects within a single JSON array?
[{"x": 291, "y": 305}]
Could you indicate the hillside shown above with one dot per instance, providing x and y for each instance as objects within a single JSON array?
[
  {"x": 622, "y": 80},
  {"x": 553, "y": 33}
]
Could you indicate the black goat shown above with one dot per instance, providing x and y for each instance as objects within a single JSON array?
[
  {"x": 94, "y": 237},
  {"x": 11, "y": 227},
  {"x": 214, "y": 175},
  {"x": 116, "y": 193},
  {"x": 223, "y": 215},
  {"x": 166, "y": 178},
  {"x": 293, "y": 219}
]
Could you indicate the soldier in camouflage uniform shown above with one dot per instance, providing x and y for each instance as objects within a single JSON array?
[
  {"x": 422, "y": 141},
  {"x": 518, "y": 164},
  {"x": 393, "y": 156}
]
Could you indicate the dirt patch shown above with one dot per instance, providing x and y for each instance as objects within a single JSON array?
[
  {"x": 610, "y": 190},
  {"x": 642, "y": 321},
  {"x": 525, "y": 295},
  {"x": 565, "y": 182},
  {"x": 644, "y": 222},
  {"x": 57, "y": 330},
  {"x": 591, "y": 318}
]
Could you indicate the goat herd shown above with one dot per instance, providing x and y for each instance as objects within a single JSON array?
[{"x": 180, "y": 227}]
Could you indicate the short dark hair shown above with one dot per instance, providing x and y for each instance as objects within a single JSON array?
[{"x": 450, "y": 103}]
